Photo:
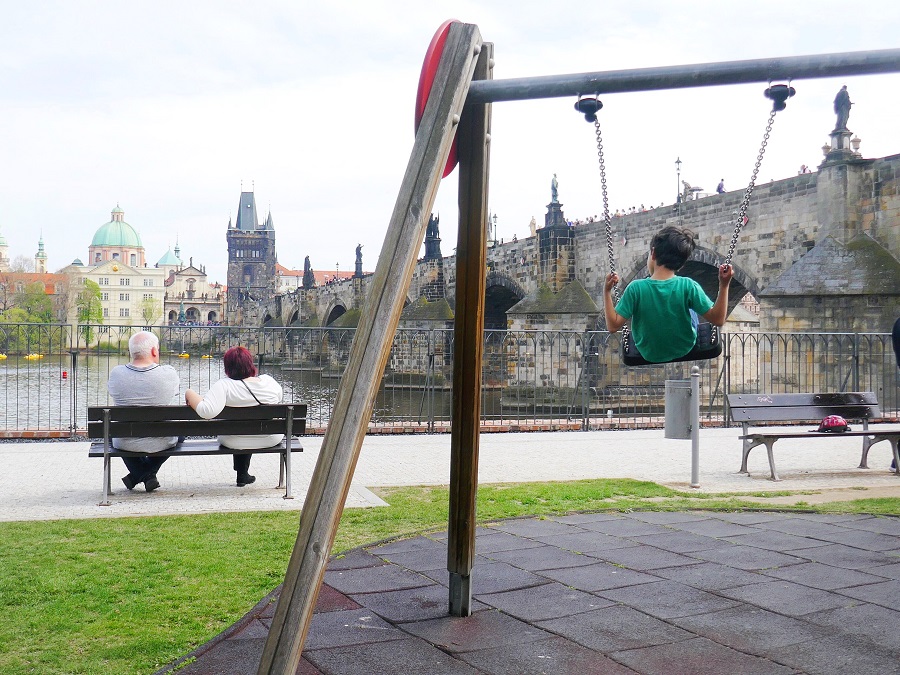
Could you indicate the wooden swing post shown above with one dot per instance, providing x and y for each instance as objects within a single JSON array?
[
  {"x": 371, "y": 347},
  {"x": 473, "y": 141}
]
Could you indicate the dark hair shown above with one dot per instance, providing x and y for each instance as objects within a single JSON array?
[
  {"x": 238, "y": 362},
  {"x": 672, "y": 246}
]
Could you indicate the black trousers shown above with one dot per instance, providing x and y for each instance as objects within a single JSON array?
[
  {"x": 142, "y": 468},
  {"x": 242, "y": 463}
]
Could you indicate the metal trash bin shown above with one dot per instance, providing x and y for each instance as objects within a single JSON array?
[{"x": 678, "y": 409}]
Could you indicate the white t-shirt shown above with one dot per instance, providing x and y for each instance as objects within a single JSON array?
[{"x": 236, "y": 393}]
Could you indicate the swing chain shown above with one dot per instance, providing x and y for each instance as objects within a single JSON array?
[
  {"x": 606, "y": 219},
  {"x": 745, "y": 202}
]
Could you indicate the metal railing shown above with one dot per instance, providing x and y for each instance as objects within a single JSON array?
[{"x": 52, "y": 373}]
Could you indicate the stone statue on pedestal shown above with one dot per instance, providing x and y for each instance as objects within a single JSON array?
[
  {"x": 842, "y": 109},
  {"x": 554, "y": 190}
]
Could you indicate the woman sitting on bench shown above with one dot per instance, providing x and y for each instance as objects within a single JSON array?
[{"x": 241, "y": 388}]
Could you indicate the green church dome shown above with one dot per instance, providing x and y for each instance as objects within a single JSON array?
[
  {"x": 168, "y": 259},
  {"x": 117, "y": 232}
]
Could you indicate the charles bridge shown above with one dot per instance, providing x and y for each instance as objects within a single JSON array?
[{"x": 820, "y": 252}]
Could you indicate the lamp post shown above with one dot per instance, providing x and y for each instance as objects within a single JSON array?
[
  {"x": 678, "y": 180},
  {"x": 495, "y": 229}
]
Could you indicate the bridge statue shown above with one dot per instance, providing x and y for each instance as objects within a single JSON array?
[
  {"x": 842, "y": 109},
  {"x": 309, "y": 279},
  {"x": 554, "y": 190}
]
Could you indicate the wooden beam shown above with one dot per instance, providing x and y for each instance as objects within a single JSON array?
[
  {"x": 468, "y": 340},
  {"x": 371, "y": 347}
]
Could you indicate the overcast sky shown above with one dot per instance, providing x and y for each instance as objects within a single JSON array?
[{"x": 167, "y": 108}]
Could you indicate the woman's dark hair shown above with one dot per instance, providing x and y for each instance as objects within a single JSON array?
[{"x": 238, "y": 362}]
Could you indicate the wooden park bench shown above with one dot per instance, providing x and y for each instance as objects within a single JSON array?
[
  {"x": 108, "y": 422},
  {"x": 859, "y": 406}
]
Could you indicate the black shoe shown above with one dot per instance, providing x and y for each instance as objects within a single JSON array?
[
  {"x": 151, "y": 484},
  {"x": 129, "y": 481},
  {"x": 245, "y": 479}
]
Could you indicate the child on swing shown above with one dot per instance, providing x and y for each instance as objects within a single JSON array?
[{"x": 663, "y": 309}]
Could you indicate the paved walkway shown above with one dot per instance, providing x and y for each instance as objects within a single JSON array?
[
  {"x": 592, "y": 593},
  {"x": 56, "y": 480}
]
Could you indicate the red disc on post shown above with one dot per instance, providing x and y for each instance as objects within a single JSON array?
[{"x": 426, "y": 79}]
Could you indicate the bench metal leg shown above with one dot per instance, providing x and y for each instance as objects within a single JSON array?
[
  {"x": 280, "y": 471},
  {"x": 769, "y": 443},
  {"x": 748, "y": 446},
  {"x": 868, "y": 442},
  {"x": 287, "y": 473},
  {"x": 895, "y": 446},
  {"x": 107, "y": 471}
]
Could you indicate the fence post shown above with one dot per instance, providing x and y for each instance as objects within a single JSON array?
[
  {"x": 585, "y": 379},
  {"x": 73, "y": 393}
]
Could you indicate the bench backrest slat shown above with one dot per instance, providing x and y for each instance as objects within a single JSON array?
[
  {"x": 157, "y": 421},
  {"x": 857, "y": 405},
  {"x": 142, "y": 413}
]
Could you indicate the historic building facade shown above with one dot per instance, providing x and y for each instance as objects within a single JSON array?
[{"x": 133, "y": 292}]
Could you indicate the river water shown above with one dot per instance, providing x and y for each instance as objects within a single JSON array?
[{"x": 49, "y": 394}]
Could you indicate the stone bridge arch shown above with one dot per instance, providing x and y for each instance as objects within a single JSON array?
[
  {"x": 501, "y": 293},
  {"x": 336, "y": 309}
]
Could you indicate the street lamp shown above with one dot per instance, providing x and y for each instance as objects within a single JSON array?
[
  {"x": 678, "y": 180},
  {"x": 495, "y": 229}
]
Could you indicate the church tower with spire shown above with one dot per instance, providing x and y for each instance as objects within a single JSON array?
[
  {"x": 251, "y": 262},
  {"x": 40, "y": 258}
]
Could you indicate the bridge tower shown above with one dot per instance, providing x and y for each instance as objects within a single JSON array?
[{"x": 251, "y": 263}]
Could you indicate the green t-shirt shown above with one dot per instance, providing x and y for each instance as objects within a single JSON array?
[{"x": 660, "y": 320}]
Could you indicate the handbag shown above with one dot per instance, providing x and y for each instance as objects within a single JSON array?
[{"x": 707, "y": 346}]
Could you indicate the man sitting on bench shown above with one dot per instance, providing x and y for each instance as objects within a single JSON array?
[{"x": 143, "y": 382}]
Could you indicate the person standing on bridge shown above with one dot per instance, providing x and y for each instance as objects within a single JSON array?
[{"x": 663, "y": 309}]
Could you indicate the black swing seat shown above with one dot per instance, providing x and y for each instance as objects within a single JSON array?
[{"x": 707, "y": 346}]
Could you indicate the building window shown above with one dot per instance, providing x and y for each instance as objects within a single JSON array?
[
  {"x": 133, "y": 259},
  {"x": 148, "y": 296},
  {"x": 148, "y": 282},
  {"x": 96, "y": 257},
  {"x": 103, "y": 281},
  {"x": 106, "y": 312},
  {"x": 104, "y": 296},
  {"x": 123, "y": 297},
  {"x": 124, "y": 281},
  {"x": 123, "y": 311},
  {"x": 115, "y": 256}
]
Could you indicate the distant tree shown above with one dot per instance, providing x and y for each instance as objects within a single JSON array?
[
  {"x": 34, "y": 300},
  {"x": 87, "y": 302},
  {"x": 151, "y": 310},
  {"x": 7, "y": 292},
  {"x": 89, "y": 310},
  {"x": 21, "y": 263}
]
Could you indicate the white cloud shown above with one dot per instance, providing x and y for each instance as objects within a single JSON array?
[{"x": 167, "y": 107}]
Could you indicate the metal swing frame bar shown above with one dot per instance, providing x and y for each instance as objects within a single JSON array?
[
  {"x": 816, "y": 66},
  {"x": 458, "y": 105}
]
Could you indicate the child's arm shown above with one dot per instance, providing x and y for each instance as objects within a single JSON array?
[
  {"x": 614, "y": 322},
  {"x": 719, "y": 312}
]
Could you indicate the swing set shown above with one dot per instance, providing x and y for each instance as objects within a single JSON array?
[
  {"x": 457, "y": 113},
  {"x": 708, "y": 343}
]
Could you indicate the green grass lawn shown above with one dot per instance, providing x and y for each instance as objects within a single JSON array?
[{"x": 129, "y": 595}]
